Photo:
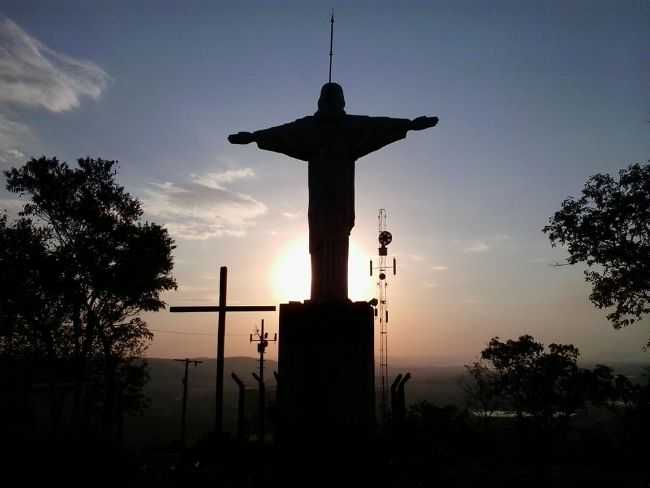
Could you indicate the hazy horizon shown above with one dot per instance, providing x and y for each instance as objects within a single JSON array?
[{"x": 430, "y": 361}]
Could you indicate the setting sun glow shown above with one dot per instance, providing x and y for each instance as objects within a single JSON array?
[{"x": 291, "y": 274}]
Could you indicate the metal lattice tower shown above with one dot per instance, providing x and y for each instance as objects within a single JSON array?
[{"x": 381, "y": 310}]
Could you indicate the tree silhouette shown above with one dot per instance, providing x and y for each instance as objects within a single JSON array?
[
  {"x": 602, "y": 378},
  {"x": 481, "y": 389},
  {"x": 30, "y": 279},
  {"x": 109, "y": 268},
  {"x": 608, "y": 228},
  {"x": 31, "y": 315},
  {"x": 546, "y": 386}
]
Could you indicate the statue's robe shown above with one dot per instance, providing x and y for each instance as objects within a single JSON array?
[{"x": 331, "y": 146}]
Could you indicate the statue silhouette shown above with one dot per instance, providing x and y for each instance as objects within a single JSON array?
[{"x": 331, "y": 141}]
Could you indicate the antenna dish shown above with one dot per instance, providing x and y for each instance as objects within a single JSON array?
[{"x": 385, "y": 238}]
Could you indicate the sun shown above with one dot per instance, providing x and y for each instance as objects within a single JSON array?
[{"x": 291, "y": 274}]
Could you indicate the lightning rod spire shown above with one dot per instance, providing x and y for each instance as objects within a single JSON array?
[{"x": 331, "y": 42}]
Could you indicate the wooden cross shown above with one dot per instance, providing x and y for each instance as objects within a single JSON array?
[{"x": 221, "y": 310}]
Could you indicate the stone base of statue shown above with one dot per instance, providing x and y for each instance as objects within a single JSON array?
[{"x": 326, "y": 385}]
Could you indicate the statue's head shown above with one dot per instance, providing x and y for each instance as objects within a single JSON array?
[{"x": 331, "y": 99}]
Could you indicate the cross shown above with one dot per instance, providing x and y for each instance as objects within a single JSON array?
[{"x": 221, "y": 310}]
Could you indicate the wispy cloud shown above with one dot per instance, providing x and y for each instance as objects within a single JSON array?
[
  {"x": 219, "y": 181},
  {"x": 439, "y": 268},
  {"x": 471, "y": 301},
  {"x": 202, "y": 207},
  {"x": 415, "y": 257},
  {"x": 32, "y": 74},
  {"x": 483, "y": 243},
  {"x": 291, "y": 215},
  {"x": 476, "y": 247},
  {"x": 430, "y": 284},
  {"x": 15, "y": 153},
  {"x": 11, "y": 205},
  {"x": 12, "y": 136}
]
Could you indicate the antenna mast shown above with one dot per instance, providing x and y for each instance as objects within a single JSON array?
[
  {"x": 331, "y": 42},
  {"x": 381, "y": 310}
]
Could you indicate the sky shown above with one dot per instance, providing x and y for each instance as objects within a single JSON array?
[{"x": 533, "y": 98}]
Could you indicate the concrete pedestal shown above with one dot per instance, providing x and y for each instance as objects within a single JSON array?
[{"x": 326, "y": 387}]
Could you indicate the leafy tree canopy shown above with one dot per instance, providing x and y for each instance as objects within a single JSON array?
[
  {"x": 528, "y": 379},
  {"x": 608, "y": 228},
  {"x": 116, "y": 264},
  {"x": 79, "y": 266}
]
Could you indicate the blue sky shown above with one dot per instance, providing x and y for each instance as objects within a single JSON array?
[{"x": 533, "y": 97}]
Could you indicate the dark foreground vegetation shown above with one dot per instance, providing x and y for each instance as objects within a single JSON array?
[
  {"x": 599, "y": 439},
  {"x": 442, "y": 445}
]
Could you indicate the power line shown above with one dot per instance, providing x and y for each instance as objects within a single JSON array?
[{"x": 194, "y": 333}]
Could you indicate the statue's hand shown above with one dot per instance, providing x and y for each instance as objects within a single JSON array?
[
  {"x": 423, "y": 122},
  {"x": 241, "y": 138}
]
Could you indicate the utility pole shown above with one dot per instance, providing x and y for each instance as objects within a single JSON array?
[
  {"x": 263, "y": 339},
  {"x": 185, "y": 381}
]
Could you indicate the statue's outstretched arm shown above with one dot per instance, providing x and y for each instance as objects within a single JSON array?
[
  {"x": 377, "y": 132},
  {"x": 241, "y": 138},
  {"x": 290, "y": 139},
  {"x": 421, "y": 123}
]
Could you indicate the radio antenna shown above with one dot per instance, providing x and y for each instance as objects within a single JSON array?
[{"x": 331, "y": 42}]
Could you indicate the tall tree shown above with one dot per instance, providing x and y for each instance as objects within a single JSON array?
[
  {"x": 608, "y": 229},
  {"x": 113, "y": 265}
]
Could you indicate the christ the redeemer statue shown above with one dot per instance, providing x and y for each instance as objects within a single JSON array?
[{"x": 331, "y": 141}]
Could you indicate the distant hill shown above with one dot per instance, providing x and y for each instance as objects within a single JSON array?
[{"x": 160, "y": 424}]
